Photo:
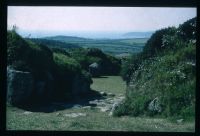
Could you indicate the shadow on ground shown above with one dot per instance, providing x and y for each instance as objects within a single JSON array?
[{"x": 56, "y": 106}]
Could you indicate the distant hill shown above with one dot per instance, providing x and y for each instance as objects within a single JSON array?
[
  {"x": 138, "y": 34},
  {"x": 67, "y": 38},
  {"x": 54, "y": 43}
]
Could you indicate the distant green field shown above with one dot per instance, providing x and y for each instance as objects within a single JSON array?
[{"x": 110, "y": 46}]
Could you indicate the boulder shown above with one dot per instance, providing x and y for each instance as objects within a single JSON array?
[
  {"x": 94, "y": 69},
  {"x": 103, "y": 93},
  {"x": 80, "y": 86},
  {"x": 40, "y": 87},
  {"x": 44, "y": 88},
  {"x": 154, "y": 105},
  {"x": 49, "y": 85},
  {"x": 19, "y": 86}
]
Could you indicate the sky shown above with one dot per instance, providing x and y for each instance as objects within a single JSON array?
[{"x": 110, "y": 19}]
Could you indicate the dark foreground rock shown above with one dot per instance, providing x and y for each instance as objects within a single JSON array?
[{"x": 19, "y": 86}]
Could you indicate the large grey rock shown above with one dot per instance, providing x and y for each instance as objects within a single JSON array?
[
  {"x": 80, "y": 86},
  {"x": 49, "y": 85},
  {"x": 19, "y": 86},
  {"x": 154, "y": 105},
  {"x": 40, "y": 87},
  {"x": 94, "y": 69},
  {"x": 44, "y": 88}
]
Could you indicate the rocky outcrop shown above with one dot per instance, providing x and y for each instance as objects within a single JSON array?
[{"x": 19, "y": 86}]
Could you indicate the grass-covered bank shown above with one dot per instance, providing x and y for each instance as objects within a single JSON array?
[
  {"x": 95, "y": 120},
  {"x": 162, "y": 79}
]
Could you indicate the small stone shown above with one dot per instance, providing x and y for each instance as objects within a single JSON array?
[
  {"x": 103, "y": 93},
  {"x": 74, "y": 115},
  {"x": 121, "y": 97},
  {"x": 179, "y": 121},
  {"x": 93, "y": 102},
  {"x": 105, "y": 109},
  {"x": 111, "y": 94},
  {"x": 111, "y": 113},
  {"x": 58, "y": 114},
  {"x": 77, "y": 106},
  {"x": 27, "y": 112},
  {"x": 87, "y": 107}
]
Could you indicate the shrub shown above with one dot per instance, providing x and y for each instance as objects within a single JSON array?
[
  {"x": 154, "y": 44},
  {"x": 187, "y": 30},
  {"x": 66, "y": 63},
  {"x": 17, "y": 47},
  {"x": 109, "y": 64},
  {"x": 59, "y": 50}
]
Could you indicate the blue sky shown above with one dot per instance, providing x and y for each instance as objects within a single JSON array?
[{"x": 127, "y": 19}]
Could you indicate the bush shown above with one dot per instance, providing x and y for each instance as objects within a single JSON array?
[
  {"x": 109, "y": 64},
  {"x": 66, "y": 64},
  {"x": 130, "y": 65},
  {"x": 18, "y": 48},
  {"x": 58, "y": 50},
  {"x": 187, "y": 30},
  {"x": 154, "y": 44}
]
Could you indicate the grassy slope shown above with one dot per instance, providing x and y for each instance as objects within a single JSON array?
[{"x": 95, "y": 120}]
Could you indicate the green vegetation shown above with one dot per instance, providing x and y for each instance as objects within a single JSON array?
[
  {"x": 109, "y": 64},
  {"x": 165, "y": 71}
]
